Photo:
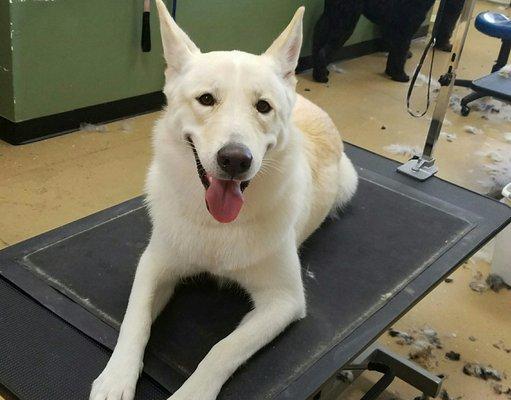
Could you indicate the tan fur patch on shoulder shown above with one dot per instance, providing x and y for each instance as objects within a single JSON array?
[{"x": 322, "y": 139}]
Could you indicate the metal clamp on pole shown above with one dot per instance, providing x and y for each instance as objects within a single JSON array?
[{"x": 423, "y": 167}]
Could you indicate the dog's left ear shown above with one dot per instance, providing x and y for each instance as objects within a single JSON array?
[{"x": 286, "y": 48}]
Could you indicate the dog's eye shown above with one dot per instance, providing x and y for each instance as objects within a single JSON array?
[
  {"x": 263, "y": 107},
  {"x": 206, "y": 99}
]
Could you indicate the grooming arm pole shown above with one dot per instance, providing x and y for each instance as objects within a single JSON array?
[{"x": 423, "y": 167}]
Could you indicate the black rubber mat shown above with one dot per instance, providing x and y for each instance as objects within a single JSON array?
[
  {"x": 361, "y": 271},
  {"x": 52, "y": 359},
  {"x": 354, "y": 257}
]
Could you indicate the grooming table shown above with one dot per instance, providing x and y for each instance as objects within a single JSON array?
[{"x": 63, "y": 293}]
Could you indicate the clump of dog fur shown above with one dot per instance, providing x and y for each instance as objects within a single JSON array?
[{"x": 426, "y": 347}]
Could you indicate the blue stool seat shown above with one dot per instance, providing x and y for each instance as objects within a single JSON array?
[{"x": 494, "y": 24}]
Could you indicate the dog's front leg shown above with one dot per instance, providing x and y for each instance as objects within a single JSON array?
[
  {"x": 276, "y": 289},
  {"x": 153, "y": 285}
]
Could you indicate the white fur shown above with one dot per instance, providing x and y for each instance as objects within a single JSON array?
[{"x": 283, "y": 203}]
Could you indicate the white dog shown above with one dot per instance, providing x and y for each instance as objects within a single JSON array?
[{"x": 243, "y": 171}]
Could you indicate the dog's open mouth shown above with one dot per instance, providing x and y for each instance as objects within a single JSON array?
[{"x": 224, "y": 198}]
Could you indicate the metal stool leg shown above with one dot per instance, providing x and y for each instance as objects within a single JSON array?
[
  {"x": 467, "y": 83},
  {"x": 465, "y": 109},
  {"x": 505, "y": 49},
  {"x": 502, "y": 60}
]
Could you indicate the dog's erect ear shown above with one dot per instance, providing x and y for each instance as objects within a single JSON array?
[
  {"x": 177, "y": 46},
  {"x": 286, "y": 48}
]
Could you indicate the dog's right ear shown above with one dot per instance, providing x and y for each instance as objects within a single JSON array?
[{"x": 177, "y": 46}]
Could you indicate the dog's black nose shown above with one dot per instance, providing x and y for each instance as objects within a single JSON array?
[{"x": 234, "y": 159}]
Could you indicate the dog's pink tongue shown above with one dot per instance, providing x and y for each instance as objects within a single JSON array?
[{"x": 224, "y": 199}]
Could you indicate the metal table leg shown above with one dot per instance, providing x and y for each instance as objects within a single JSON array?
[{"x": 378, "y": 358}]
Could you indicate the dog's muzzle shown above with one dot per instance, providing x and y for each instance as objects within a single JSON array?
[{"x": 224, "y": 197}]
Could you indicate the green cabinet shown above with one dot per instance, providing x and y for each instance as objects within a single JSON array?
[{"x": 6, "y": 84}]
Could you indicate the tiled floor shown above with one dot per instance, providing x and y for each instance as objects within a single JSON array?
[{"x": 49, "y": 183}]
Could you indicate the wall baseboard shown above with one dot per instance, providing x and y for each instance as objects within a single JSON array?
[{"x": 31, "y": 130}]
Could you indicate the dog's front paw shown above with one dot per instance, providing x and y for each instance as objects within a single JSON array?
[
  {"x": 320, "y": 75},
  {"x": 398, "y": 76},
  {"x": 444, "y": 46},
  {"x": 115, "y": 383}
]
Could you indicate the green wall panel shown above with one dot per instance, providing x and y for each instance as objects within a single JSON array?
[
  {"x": 242, "y": 24},
  {"x": 69, "y": 54},
  {"x": 6, "y": 85},
  {"x": 252, "y": 25}
]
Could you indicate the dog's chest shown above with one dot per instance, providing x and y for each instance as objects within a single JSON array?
[{"x": 224, "y": 247}]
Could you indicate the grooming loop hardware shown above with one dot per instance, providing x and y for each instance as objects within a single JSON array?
[{"x": 423, "y": 167}]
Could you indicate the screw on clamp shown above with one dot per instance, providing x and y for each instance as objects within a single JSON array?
[
  {"x": 445, "y": 79},
  {"x": 420, "y": 168}
]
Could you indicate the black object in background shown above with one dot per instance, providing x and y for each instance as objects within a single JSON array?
[
  {"x": 146, "y": 24},
  {"x": 146, "y": 27}
]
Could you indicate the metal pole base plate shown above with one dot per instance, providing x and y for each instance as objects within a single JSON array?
[{"x": 419, "y": 168}]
